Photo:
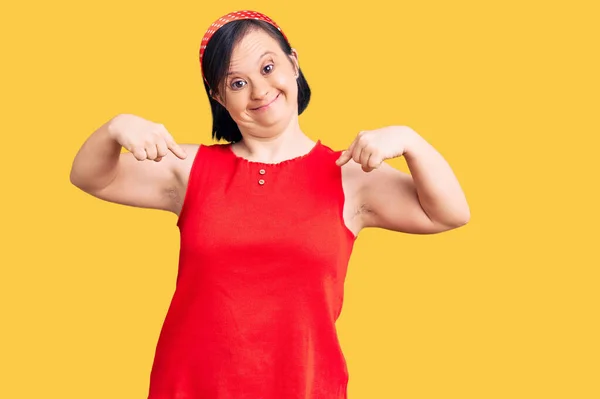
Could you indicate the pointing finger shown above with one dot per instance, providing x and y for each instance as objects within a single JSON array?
[
  {"x": 346, "y": 155},
  {"x": 344, "y": 158},
  {"x": 177, "y": 150}
]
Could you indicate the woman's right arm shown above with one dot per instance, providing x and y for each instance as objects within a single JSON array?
[{"x": 152, "y": 174}]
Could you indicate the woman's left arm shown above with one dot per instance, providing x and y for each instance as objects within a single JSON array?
[{"x": 428, "y": 200}]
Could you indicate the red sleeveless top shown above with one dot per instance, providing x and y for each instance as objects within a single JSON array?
[{"x": 263, "y": 259}]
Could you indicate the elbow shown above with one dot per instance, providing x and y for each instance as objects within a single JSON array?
[
  {"x": 462, "y": 218},
  {"x": 74, "y": 179},
  {"x": 463, "y": 222},
  {"x": 465, "y": 215},
  {"x": 459, "y": 219},
  {"x": 78, "y": 181}
]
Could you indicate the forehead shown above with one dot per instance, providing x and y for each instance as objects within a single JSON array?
[{"x": 249, "y": 49}]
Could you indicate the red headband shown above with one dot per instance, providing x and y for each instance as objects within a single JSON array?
[{"x": 232, "y": 16}]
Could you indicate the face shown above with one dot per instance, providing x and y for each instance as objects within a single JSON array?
[{"x": 260, "y": 91}]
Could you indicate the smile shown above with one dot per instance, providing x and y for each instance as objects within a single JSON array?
[{"x": 264, "y": 107}]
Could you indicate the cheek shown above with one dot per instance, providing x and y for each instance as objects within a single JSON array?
[
  {"x": 288, "y": 84},
  {"x": 284, "y": 79},
  {"x": 236, "y": 104}
]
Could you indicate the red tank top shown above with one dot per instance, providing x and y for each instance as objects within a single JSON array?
[{"x": 263, "y": 259}]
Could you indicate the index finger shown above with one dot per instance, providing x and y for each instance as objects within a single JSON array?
[
  {"x": 171, "y": 144},
  {"x": 346, "y": 155},
  {"x": 176, "y": 149}
]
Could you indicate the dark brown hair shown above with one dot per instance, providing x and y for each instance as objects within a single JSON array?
[{"x": 216, "y": 61}]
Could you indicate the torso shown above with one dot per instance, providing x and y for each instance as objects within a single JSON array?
[
  {"x": 264, "y": 251},
  {"x": 351, "y": 173}
]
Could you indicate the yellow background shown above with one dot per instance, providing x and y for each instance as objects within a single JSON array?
[{"x": 505, "y": 307}]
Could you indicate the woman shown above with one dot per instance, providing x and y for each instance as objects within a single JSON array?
[{"x": 267, "y": 220}]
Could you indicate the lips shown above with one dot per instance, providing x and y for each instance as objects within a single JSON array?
[{"x": 262, "y": 107}]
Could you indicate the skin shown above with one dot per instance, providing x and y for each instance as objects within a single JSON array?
[
  {"x": 428, "y": 200},
  {"x": 272, "y": 133},
  {"x": 377, "y": 195}
]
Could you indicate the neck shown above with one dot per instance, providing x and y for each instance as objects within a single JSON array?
[{"x": 290, "y": 143}]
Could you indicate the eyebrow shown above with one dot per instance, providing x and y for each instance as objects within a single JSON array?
[{"x": 266, "y": 53}]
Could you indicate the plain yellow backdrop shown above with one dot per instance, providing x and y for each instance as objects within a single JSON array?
[{"x": 505, "y": 307}]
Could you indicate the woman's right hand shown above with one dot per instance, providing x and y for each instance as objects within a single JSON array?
[{"x": 144, "y": 139}]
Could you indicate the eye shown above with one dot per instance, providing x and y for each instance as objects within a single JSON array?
[
  {"x": 268, "y": 68},
  {"x": 238, "y": 84}
]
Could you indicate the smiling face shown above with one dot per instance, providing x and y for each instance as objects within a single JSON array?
[{"x": 260, "y": 90}]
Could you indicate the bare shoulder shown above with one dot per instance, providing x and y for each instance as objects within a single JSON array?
[
  {"x": 182, "y": 170},
  {"x": 183, "y": 167},
  {"x": 353, "y": 182}
]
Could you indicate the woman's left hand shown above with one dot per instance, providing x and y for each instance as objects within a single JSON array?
[{"x": 371, "y": 147}]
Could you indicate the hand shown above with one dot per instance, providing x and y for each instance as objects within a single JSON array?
[
  {"x": 372, "y": 147},
  {"x": 143, "y": 138}
]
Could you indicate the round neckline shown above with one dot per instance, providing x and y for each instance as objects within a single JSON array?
[{"x": 284, "y": 162}]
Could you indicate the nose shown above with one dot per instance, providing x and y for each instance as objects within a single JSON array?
[{"x": 260, "y": 89}]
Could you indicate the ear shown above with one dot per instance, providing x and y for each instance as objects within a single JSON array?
[
  {"x": 294, "y": 60},
  {"x": 217, "y": 98}
]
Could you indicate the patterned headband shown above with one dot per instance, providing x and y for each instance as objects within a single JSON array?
[{"x": 233, "y": 16}]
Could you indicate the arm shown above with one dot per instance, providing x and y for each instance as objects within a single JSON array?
[
  {"x": 426, "y": 201},
  {"x": 102, "y": 170},
  {"x": 95, "y": 164}
]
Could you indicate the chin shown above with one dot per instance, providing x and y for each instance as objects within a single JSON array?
[
  {"x": 282, "y": 115},
  {"x": 271, "y": 127}
]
